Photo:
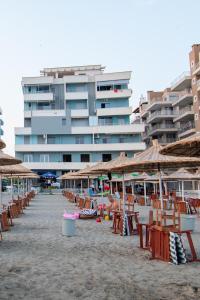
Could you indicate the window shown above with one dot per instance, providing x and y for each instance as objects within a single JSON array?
[
  {"x": 196, "y": 116},
  {"x": 44, "y": 157},
  {"x": 64, "y": 122},
  {"x": 195, "y": 98},
  {"x": 106, "y": 157},
  {"x": 79, "y": 139},
  {"x": 85, "y": 157},
  {"x": 121, "y": 139},
  {"x": 105, "y": 105},
  {"x": 67, "y": 157},
  {"x": 28, "y": 158},
  {"x": 27, "y": 139},
  {"x": 51, "y": 139},
  {"x": 105, "y": 139},
  {"x": 121, "y": 121},
  {"x": 105, "y": 121},
  {"x": 193, "y": 80}
]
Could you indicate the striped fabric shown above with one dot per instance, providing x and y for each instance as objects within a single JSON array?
[
  {"x": 88, "y": 212},
  {"x": 177, "y": 252}
]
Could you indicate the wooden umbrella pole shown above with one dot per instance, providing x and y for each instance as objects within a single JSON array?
[
  {"x": 102, "y": 188},
  {"x": 132, "y": 187},
  {"x": 11, "y": 182},
  {"x": 145, "y": 193},
  {"x": 123, "y": 194},
  {"x": 88, "y": 184},
  {"x": 1, "y": 189},
  {"x": 160, "y": 187},
  {"x": 81, "y": 187},
  {"x": 183, "y": 199}
]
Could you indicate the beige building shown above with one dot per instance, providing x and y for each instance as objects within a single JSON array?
[
  {"x": 183, "y": 107},
  {"x": 174, "y": 113},
  {"x": 194, "y": 57},
  {"x": 157, "y": 113}
]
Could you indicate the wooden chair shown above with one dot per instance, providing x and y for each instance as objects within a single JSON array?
[
  {"x": 162, "y": 219},
  {"x": 147, "y": 227}
]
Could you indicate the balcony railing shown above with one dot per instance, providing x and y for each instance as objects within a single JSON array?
[
  {"x": 166, "y": 140},
  {"x": 180, "y": 77},
  {"x": 187, "y": 126},
  {"x": 161, "y": 113},
  {"x": 185, "y": 109},
  {"x": 196, "y": 66},
  {"x": 198, "y": 83}
]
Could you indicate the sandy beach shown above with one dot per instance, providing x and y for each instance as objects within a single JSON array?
[{"x": 37, "y": 262}]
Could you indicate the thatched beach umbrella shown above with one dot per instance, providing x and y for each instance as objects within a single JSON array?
[
  {"x": 6, "y": 159},
  {"x": 183, "y": 175},
  {"x": 10, "y": 170},
  {"x": 105, "y": 168},
  {"x": 2, "y": 144},
  {"x": 151, "y": 160},
  {"x": 189, "y": 146}
]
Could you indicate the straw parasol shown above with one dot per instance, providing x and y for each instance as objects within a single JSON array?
[
  {"x": 189, "y": 146},
  {"x": 6, "y": 159},
  {"x": 2, "y": 144},
  {"x": 151, "y": 159},
  {"x": 14, "y": 169},
  {"x": 106, "y": 167}
]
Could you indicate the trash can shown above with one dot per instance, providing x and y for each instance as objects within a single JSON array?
[{"x": 69, "y": 225}]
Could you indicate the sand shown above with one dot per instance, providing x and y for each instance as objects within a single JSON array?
[{"x": 37, "y": 262}]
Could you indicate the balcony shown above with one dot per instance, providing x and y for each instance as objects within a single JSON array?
[
  {"x": 185, "y": 114},
  {"x": 196, "y": 69},
  {"x": 79, "y": 113},
  {"x": 113, "y": 76},
  {"x": 44, "y": 113},
  {"x": 138, "y": 146},
  {"x": 22, "y": 130},
  {"x": 36, "y": 97},
  {"x": 109, "y": 129},
  {"x": 114, "y": 111},
  {"x": 157, "y": 104},
  {"x": 166, "y": 140},
  {"x": 37, "y": 80},
  {"x": 162, "y": 128},
  {"x": 198, "y": 85},
  {"x": 185, "y": 97},
  {"x": 187, "y": 129},
  {"x": 114, "y": 94},
  {"x": 162, "y": 114},
  {"x": 182, "y": 82},
  {"x": 76, "y": 95},
  {"x": 56, "y": 165}
]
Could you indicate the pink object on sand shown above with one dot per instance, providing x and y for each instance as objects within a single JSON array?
[{"x": 71, "y": 216}]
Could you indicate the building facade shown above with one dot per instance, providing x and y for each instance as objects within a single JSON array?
[
  {"x": 1, "y": 123},
  {"x": 157, "y": 114},
  {"x": 194, "y": 58},
  {"x": 76, "y": 116},
  {"x": 174, "y": 113}
]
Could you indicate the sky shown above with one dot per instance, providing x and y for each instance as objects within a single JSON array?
[{"x": 152, "y": 38}]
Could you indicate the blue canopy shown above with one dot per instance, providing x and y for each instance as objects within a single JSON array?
[{"x": 48, "y": 175}]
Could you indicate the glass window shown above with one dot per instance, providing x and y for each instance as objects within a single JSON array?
[
  {"x": 79, "y": 139},
  {"x": 28, "y": 157},
  {"x": 64, "y": 122},
  {"x": 44, "y": 157},
  {"x": 106, "y": 157},
  {"x": 67, "y": 157},
  {"x": 85, "y": 157}
]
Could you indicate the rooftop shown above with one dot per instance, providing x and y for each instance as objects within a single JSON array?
[{"x": 70, "y": 70}]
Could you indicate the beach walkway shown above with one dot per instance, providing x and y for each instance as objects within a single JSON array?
[{"x": 37, "y": 262}]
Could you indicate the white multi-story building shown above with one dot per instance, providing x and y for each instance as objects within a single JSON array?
[
  {"x": 75, "y": 116},
  {"x": 1, "y": 123}
]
